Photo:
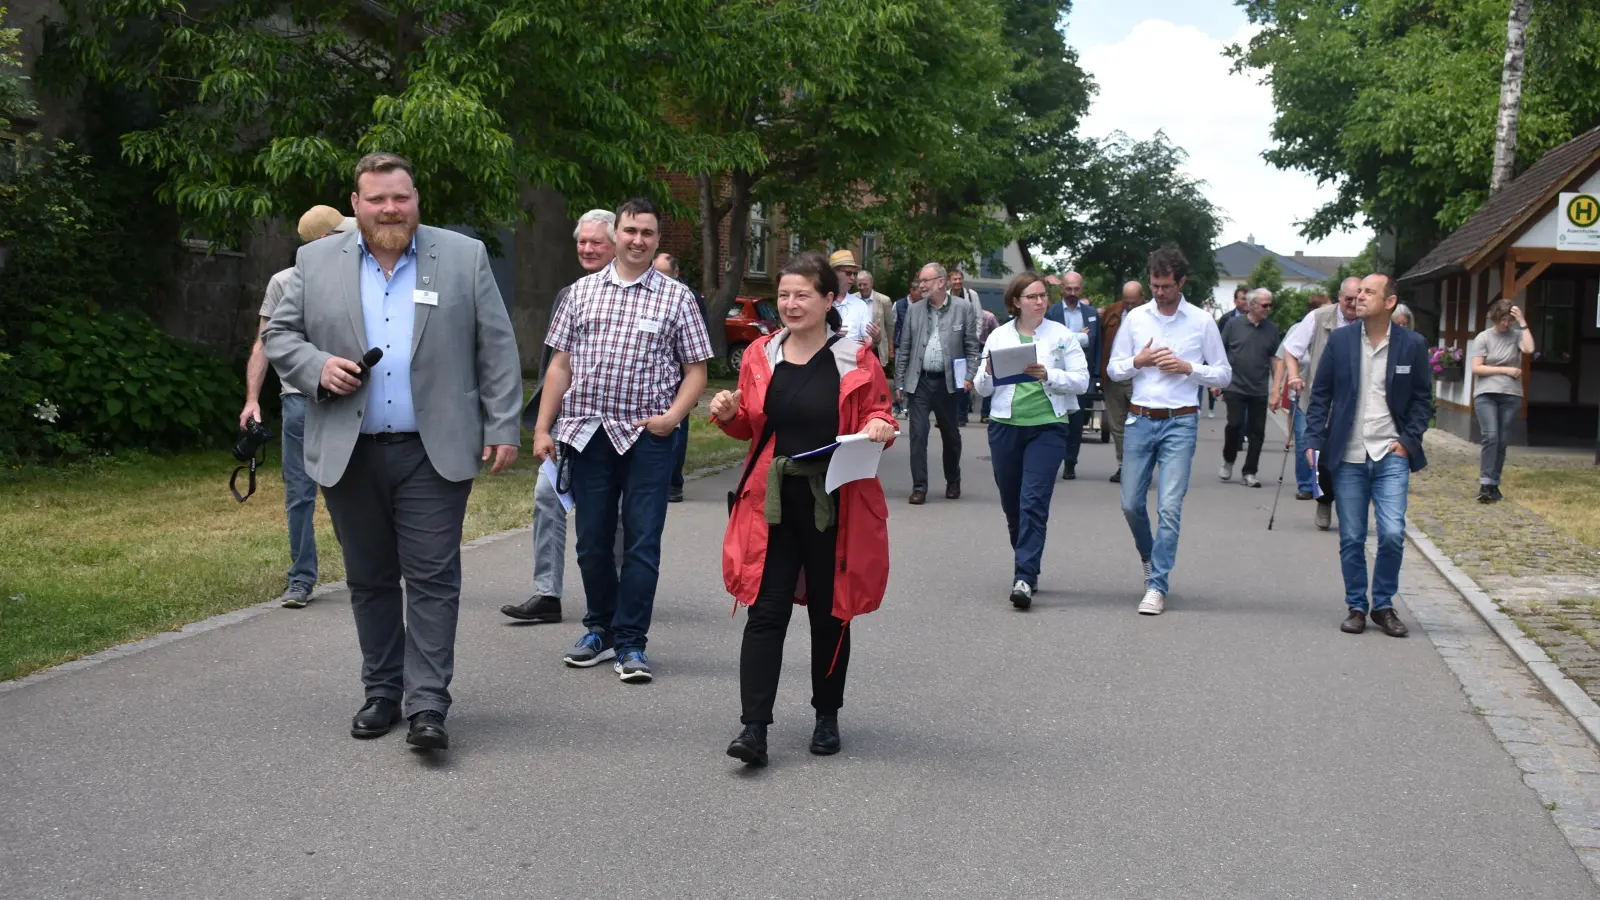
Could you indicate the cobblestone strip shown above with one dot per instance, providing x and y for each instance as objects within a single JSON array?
[{"x": 1558, "y": 759}]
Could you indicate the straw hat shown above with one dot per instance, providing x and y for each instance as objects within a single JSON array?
[
  {"x": 319, "y": 220},
  {"x": 843, "y": 259}
]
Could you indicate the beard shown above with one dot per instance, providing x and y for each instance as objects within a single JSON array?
[{"x": 390, "y": 232}]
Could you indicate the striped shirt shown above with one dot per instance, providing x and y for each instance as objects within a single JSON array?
[{"x": 628, "y": 343}]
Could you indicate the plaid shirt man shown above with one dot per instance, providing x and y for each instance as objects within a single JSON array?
[{"x": 628, "y": 343}]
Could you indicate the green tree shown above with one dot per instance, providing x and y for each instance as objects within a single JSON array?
[
  {"x": 14, "y": 97},
  {"x": 1395, "y": 102},
  {"x": 1136, "y": 197},
  {"x": 264, "y": 106},
  {"x": 854, "y": 127},
  {"x": 1266, "y": 274}
]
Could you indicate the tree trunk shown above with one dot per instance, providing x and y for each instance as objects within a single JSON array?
[
  {"x": 710, "y": 254},
  {"x": 732, "y": 274},
  {"x": 1505, "y": 131}
]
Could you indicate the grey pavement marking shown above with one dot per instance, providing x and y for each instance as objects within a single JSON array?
[{"x": 1237, "y": 746}]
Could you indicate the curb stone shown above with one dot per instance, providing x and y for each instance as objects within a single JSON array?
[
  {"x": 256, "y": 609},
  {"x": 1566, "y": 691}
]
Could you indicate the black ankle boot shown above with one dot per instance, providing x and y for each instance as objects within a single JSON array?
[
  {"x": 750, "y": 747},
  {"x": 825, "y": 738}
]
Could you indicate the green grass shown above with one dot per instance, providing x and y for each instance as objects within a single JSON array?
[
  {"x": 1564, "y": 497},
  {"x": 122, "y": 548}
]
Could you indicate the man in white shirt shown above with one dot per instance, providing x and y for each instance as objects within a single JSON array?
[
  {"x": 1168, "y": 349},
  {"x": 1308, "y": 345},
  {"x": 856, "y": 312}
]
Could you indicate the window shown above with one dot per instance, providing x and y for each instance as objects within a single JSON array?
[
  {"x": 994, "y": 265},
  {"x": 760, "y": 242},
  {"x": 794, "y": 243},
  {"x": 1552, "y": 321},
  {"x": 869, "y": 249},
  {"x": 767, "y": 310}
]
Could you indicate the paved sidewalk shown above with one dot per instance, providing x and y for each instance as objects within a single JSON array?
[{"x": 1238, "y": 746}]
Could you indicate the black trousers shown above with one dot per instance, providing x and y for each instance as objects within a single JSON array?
[
  {"x": 1247, "y": 418},
  {"x": 932, "y": 398},
  {"x": 794, "y": 545},
  {"x": 397, "y": 517}
]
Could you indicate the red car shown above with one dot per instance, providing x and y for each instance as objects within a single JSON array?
[{"x": 748, "y": 318}]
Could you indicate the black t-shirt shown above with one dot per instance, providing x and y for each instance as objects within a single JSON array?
[{"x": 803, "y": 404}]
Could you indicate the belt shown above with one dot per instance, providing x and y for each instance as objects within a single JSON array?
[
  {"x": 1149, "y": 413},
  {"x": 391, "y": 437}
]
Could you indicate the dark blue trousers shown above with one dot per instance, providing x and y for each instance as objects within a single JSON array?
[{"x": 1025, "y": 459}]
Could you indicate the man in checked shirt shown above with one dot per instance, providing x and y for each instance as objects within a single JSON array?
[{"x": 630, "y": 363}]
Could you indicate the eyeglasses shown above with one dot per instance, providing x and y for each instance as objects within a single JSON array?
[
  {"x": 1037, "y": 296},
  {"x": 930, "y": 280}
]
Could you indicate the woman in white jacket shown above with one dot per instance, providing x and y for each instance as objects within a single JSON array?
[{"x": 1028, "y": 421}]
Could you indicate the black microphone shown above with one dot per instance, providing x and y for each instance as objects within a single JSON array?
[{"x": 367, "y": 362}]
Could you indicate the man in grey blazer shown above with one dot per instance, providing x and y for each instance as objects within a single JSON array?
[
  {"x": 937, "y": 332},
  {"x": 396, "y": 448}
]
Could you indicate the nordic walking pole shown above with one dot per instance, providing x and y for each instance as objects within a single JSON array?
[{"x": 1288, "y": 440}]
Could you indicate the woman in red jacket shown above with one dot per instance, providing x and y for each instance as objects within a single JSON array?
[{"x": 788, "y": 540}]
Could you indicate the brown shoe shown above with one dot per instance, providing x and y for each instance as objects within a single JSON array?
[
  {"x": 919, "y": 497},
  {"x": 952, "y": 490},
  {"x": 1355, "y": 623},
  {"x": 1389, "y": 622}
]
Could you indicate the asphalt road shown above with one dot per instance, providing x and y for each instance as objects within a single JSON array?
[{"x": 1238, "y": 746}]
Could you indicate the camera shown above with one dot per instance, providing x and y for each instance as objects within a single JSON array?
[
  {"x": 251, "y": 441},
  {"x": 249, "y": 444}
]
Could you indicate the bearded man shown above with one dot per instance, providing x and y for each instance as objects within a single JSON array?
[{"x": 395, "y": 447}]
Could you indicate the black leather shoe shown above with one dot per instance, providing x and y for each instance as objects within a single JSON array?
[
  {"x": 535, "y": 609},
  {"x": 427, "y": 731},
  {"x": 1390, "y": 622},
  {"x": 1069, "y": 472},
  {"x": 750, "y": 747},
  {"x": 1116, "y": 477},
  {"x": 952, "y": 490},
  {"x": 674, "y": 495},
  {"x": 1355, "y": 623},
  {"x": 919, "y": 497},
  {"x": 375, "y": 719},
  {"x": 825, "y": 737}
]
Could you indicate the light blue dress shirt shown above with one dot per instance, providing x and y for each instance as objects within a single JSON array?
[{"x": 388, "y": 310}]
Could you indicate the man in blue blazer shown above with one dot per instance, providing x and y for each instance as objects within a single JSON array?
[
  {"x": 1083, "y": 321},
  {"x": 1370, "y": 404}
]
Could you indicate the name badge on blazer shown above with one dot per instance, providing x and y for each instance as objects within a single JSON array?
[
  {"x": 1402, "y": 370},
  {"x": 426, "y": 298}
]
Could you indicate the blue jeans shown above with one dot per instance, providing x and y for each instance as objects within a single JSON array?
[
  {"x": 299, "y": 494},
  {"x": 1497, "y": 415},
  {"x": 1147, "y": 443},
  {"x": 1304, "y": 478},
  {"x": 1384, "y": 482},
  {"x": 632, "y": 487},
  {"x": 1024, "y": 458}
]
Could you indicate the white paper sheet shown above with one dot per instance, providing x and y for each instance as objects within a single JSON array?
[
  {"x": 1316, "y": 483},
  {"x": 854, "y": 459},
  {"x": 1009, "y": 362},
  {"x": 548, "y": 469},
  {"x": 960, "y": 365}
]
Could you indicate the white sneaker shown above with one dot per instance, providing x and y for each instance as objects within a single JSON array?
[
  {"x": 1021, "y": 595},
  {"x": 1148, "y": 571},
  {"x": 1250, "y": 481},
  {"x": 1226, "y": 472},
  {"x": 1153, "y": 604},
  {"x": 1211, "y": 414}
]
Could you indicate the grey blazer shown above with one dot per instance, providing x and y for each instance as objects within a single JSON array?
[
  {"x": 466, "y": 381},
  {"x": 960, "y": 336}
]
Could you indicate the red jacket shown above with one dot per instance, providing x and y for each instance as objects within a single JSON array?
[{"x": 863, "y": 571}]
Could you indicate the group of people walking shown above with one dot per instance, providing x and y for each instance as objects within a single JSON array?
[{"x": 395, "y": 445}]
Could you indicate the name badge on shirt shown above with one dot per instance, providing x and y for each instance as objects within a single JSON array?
[
  {"x": 650, "y": 326},
  {"x": 1402, "y": 370},
  {"x": 426, "y": 298}
]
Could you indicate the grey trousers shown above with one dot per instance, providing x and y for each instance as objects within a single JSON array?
[
  {"x": 1118, "y": 394},
  {"x": 396, "y": 517},
  {"x": 550, "y": 540}
]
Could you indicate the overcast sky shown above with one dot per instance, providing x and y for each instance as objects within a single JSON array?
[{"x": 1159, "y": 65}]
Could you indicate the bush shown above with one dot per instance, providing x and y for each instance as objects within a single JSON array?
[{"x": 82, "y": 382}]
